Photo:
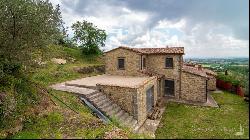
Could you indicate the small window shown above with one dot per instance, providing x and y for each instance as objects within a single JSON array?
[
  {"x": 169, "y": 63},
  {"x": 121, "y": 62}
]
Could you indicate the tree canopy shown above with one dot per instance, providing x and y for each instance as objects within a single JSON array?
[
  {"x": 27, "y": 24},
  {"x": 90, "y": 38}
]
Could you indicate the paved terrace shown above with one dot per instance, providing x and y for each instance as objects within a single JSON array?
[{"x": 122, "y": 81}]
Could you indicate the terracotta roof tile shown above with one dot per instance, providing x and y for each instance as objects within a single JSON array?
[
  {"x": 210, "y": 72},
  {"x": 151, "y": 73},
  {"x": 166, "y": 50},
  {"x": 203, "y": 72},
  {"x": 194, "y": 70}
]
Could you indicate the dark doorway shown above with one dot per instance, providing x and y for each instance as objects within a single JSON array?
[
  {"x": 206, "y": 90},
  {"x": 150, "y": 98},
  {"x": 159, "y": 89},
  {"x": 169, "y": 87}
]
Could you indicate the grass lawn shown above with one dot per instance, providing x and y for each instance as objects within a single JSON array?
[{"x": 185, "y": 121}]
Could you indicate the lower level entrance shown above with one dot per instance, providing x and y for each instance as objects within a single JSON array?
[
  {"x": 150, "y": 98},
  {"x": 169, "y": 87}
]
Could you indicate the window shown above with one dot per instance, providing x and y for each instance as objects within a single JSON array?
[
  {"x": 144, "y": 62},
  {"x": 121, "y": 63},
  {"x": 169, "y": 63}
]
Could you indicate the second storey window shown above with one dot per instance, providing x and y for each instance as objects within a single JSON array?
[
  {"x": 121, "y": 63},
  {"x": 169, "y": 63}
]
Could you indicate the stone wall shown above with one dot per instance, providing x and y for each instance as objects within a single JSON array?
[
  {"x": 193, "y": 87},
  {"x": 211, "y": 84},
  {"x": 156, "y": 63},
  {"x": 90, "y": 69},
  {"x": 132, "y": 100},
  {"x": 132, "y": 62},
  {"x": 141, "y": 99},
  {"x": 122, "y": 96}
]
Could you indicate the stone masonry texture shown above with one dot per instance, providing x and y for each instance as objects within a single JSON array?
[
  {"x": 211, "y": 84},
  {"x": 132, "y": 100},
  {"x": 156, "y": 63},
  {"x": 187, "y": 86},
  {"x": 193, "y": 87},
  {"x": 132, "y": 62}
]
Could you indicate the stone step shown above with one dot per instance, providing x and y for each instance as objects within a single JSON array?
[
  {"x": 102, "y": 102},
  {"x": 133, "y": 123},
  {"x": 111, "y": 113},
  {"x": 124, "y": 117},
  {"x": 104, "y": 105},
  {"x": 99, "y": 98},
  {"x": 95, "y": 95},
  {"x": 108, "y": 108},
  {"x": 129, "y": 120},
  {"x": 92, "y": 93},
  {"x": 119, "y": 114}
]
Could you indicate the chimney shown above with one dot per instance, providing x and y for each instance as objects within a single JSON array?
[{"x": 199, "y": 67}]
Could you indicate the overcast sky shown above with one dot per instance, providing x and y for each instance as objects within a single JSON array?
[{"x": 206, "y": 28}]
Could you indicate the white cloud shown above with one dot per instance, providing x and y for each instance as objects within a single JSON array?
[{"x": 141, "y": 26}]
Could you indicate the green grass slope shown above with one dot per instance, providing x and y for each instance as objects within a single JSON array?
[
  {"x": 59, "y": 114},
  {"x": 185, "y": 121}
]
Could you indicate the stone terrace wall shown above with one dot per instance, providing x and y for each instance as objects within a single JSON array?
[
  {"x": 132, "y": 100},
  {"x": 122, "y": 96},
  {"x": 193, "y": 87},
  {"x": 132, "y": 62},
  {"x": 141, "y": 99},
  {"x": 90, "y": 69},
  {"x": 211, "y": 84}
]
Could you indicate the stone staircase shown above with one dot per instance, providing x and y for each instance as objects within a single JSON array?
[
  {"x": 102, "y": 103},
  {"x": 111, "y": 109}
]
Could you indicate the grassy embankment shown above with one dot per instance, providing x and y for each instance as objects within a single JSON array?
[{"x": 59, "y": 114}]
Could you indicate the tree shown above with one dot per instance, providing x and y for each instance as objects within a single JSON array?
[
  {"x": 27, "y": 25},
  {"x": 89, "y": 37}
]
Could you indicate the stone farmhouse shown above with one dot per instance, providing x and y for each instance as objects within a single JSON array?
[
  {"x": 166, "y": 77},
  {"x": 138, "y": 80}
]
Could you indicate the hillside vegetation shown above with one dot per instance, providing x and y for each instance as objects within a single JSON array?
[{"x": 56, "y": 114}]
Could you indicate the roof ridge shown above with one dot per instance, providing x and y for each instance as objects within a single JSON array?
[
  {"x": 122, "y": 46},
  {"x": 166, "y": 50}
]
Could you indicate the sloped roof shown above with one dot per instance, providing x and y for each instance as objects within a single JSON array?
[
  {"x": 194, "y": 70},
  {"x": 210, "y": 72},
  {"x": 166, "y": 50},
  {"x": 151, "y": 73},
  {"x": 171, "y": 50}
]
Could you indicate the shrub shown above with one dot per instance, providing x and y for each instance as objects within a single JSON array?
[{"x": 229, "y": 79}]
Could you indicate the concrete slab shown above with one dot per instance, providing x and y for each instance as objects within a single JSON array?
[
  {"x": 72, "y": 89},
  {"x": 211, "y": 102},
  {"x": 217, "y": 91},
  {"x": 123, "y": 81}
]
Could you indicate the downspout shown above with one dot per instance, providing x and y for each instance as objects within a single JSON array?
[{"x": 180, "y": 62}]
